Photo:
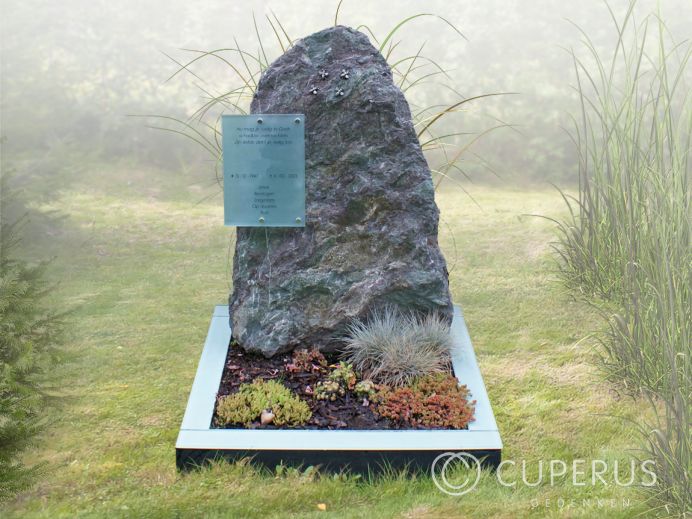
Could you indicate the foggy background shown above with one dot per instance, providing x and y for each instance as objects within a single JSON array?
[{"x": 73, "y": 71}]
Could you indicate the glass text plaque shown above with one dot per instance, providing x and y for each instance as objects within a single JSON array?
[{"x": 264, "y": 170}]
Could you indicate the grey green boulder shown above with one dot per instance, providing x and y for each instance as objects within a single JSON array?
[{"x": 370, "y": 237}]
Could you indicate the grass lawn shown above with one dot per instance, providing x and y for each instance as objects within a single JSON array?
[{"x": 143, "y": 264}]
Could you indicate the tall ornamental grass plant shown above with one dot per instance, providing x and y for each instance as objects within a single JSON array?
[{"x": 627, "y": 241}]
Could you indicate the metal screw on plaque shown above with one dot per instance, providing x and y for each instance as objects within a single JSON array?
[
  {"x": 298, "y": 219},
  {"x": 296, "y": 120},
  {"x": 344, "y": 74},
  {"x": 260, "y": 120},
  {"x": 314, "y": 90},
  {"x": 324, "y": 74},
  {"x": 339, "y": 91},
  {"x": 261, "y": 219}
]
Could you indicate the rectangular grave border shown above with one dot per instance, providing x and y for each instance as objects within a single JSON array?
[{"x": 354, "y": 450}]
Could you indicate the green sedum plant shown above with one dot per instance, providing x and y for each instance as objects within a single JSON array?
[
  {"x": 365, "y": 389},
  {"x": 246, "y": 406},
  {"x": 394, "y": 348},
  {"x": 329, "y": 390},
  {"x": 340, "y": 380},
  {"x": 344, "y": 375}
]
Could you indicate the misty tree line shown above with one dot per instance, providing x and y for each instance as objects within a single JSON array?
[{"x": 73, "y": 72}]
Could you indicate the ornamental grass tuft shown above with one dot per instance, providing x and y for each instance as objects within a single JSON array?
[
  {"x": 626, "y": 243},
  {"x": 395, "y": 348}
]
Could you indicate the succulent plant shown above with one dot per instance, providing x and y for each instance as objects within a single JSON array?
[
  {"x": 329, "y": 390},
  {"x": 268, "y": 397},
  {"x": 344, "y": 375},
  {"x": 435, "y": 400},
  {"x": 365, "y": 389},
  {"x": 307, "y": 361}
]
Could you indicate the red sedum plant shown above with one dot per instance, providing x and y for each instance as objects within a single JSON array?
[
  {"x": 307, "y": 361},
  {"x": 433, "y": 401}
]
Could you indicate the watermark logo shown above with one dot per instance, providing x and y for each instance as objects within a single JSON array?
[
  {"x": 458, "y": 473},
  {"x": 578, "y": 473},
  {"x": 443, "y": 467}
]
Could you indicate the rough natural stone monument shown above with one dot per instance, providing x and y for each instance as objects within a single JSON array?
[{"x": 370, "y": 236}]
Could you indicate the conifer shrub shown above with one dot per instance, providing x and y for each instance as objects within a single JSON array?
[
  {"x": 29, "y": 333},
  {"x": 246, "y": 406}
]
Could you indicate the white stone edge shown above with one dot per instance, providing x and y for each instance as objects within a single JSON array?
[{"x": 195, "y": 432}]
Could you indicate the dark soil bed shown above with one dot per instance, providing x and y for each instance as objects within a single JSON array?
[{"x": 347, "y": 412}]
